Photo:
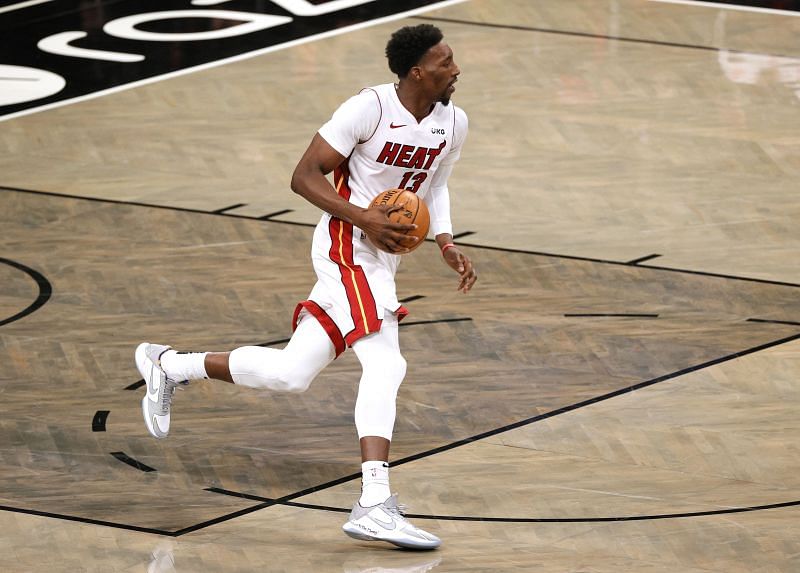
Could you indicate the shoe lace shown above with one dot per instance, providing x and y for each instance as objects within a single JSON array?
[
  {"x": 166, "y": 397},
  {"x": 398, "y": 510}
]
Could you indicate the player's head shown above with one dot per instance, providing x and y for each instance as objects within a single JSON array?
[{"x": 419, "y": 53}]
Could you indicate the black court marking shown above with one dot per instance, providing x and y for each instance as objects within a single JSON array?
[
  {"x": 463, "y": 234},
  {"x": 99, "y": 420},
  {"x": 595, "y": 400},
  {"x": 139, "y": 383},
  {"x": 86, "y": 520},
  {"x": 229, "y": 208},
  {"x": 412, "y": 298},
  {"x": 642, "y": 259},
  {"x": 609, "y": 315},
  {"x": 136, "y": 385},
  {"x": 125, "y": 458},
  {"x": 433, "y": 451},
  {"x": 282, "y": 500},
  {"x": 649, "y": 267},
  {"x": 597, "y": 36},
  {"x": 490, "y": 519},
  {"x": 471, "y": 245},
  {"x": 344, "y": 479},
  {"x": 275, "y": 214},
  {"x": 402, "y": 324},
  {"x": 45, "y": 291},
  {"x": 437, "y": 321},
  {"x": 764, "y": 320}
]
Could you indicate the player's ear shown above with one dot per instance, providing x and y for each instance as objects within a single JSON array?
[{"x": 415, "y": 73}]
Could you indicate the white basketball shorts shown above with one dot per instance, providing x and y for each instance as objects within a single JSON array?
[{"x": 355, "y": 283}]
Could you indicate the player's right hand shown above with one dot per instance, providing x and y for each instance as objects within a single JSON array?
[{"x": 383, "y": 233}]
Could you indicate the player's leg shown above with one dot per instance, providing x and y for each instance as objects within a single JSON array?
[
  {"x": 290, "y": 369},
  {"x": 375, "y": 516}
]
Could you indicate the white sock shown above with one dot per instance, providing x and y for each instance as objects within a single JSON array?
[
  {"x": 374, "y": 483},
  {"x": 180, "y": 366}
]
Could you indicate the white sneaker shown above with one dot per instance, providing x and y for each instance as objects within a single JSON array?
[
  {"x": 385, "y": 522},
  {"x": 158, "y": 396}
]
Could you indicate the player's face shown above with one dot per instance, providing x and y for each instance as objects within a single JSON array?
[{"x": 440, "y": 72}]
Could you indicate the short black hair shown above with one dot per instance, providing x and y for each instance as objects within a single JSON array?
[{"x": 407, "y": 46}]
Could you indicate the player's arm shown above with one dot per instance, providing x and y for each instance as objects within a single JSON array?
[
  {"x": 457, "y": 261},
  {"x": 439, "y": 207},
  {"x": 353, "y": 122},
  {"x": 309, "y": 181}
]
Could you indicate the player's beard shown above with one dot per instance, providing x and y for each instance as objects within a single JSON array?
[{"x": 445, "y": 99}]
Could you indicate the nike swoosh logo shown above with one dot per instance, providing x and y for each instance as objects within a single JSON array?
[
  {"x": 393, "y": 126},
  {"x": 152, "y": 391},
  {"x": 386, "y": 524}
]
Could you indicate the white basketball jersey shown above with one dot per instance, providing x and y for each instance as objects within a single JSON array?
[{"x": 385, "y": 146}]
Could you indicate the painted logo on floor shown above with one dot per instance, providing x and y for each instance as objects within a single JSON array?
[{"x": 54, "y": 51}]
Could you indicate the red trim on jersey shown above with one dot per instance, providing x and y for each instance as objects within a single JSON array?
[
  {"x": 359, "y": 294},
  {"x": 380, "y": 117},
  {"x": 341, "y": 178},
  {"x": 324, "y": 320}
]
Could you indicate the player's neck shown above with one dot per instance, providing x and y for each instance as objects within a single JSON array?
[{"x": 417, "y": 103}]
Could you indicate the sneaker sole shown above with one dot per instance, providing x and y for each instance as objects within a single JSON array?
[{"x": 357, "y": 534}]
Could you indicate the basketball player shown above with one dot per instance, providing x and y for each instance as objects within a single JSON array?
[{"x": 403, "y": 135}]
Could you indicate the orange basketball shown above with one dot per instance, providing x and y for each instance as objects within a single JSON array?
[{"x": 414, "y": 212}]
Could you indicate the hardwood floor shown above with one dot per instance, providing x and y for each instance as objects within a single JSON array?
[{"x": 618, "y": 393}]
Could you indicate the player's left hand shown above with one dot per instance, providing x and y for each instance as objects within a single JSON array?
[{"x": 462, "y": 264}]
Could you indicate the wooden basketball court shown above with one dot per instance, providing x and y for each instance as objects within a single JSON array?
[{"x": 618, "y": 393}]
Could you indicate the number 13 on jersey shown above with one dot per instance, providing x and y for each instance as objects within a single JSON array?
[{"x": 415, "y": 177}]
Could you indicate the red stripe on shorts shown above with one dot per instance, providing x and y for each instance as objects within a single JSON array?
[
  {"x": 359, "y": 294},
  {"x": 325, "y": 321}
]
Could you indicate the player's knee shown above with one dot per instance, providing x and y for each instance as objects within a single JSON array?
[
  {"x": 267, "y": 368},
  {"x": 295, "y": 380},
  {"x": 399, "y": 367},
  {"x": 389, "y": 367}
]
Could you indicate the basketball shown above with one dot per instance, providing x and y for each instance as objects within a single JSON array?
[{"x": 414, "y": 212}]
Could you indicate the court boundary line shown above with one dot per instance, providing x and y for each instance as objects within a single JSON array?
[
  {"x": 218, "y": 213},
  {"x": 45, "y": 291},
  {"x": 591, "y": 36},
  {"x": 427, "y": 453},
  {"x": 489, "y": 433},
  {"x": 489, "y": 519},
  {"x": 284, "y": 500},
  {"x": 734, "y": 7}
]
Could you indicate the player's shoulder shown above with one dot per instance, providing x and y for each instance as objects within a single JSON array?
[
  {"x": 368, "y": 100},
  {"x": 460, "y": 123},
  {"x": 364, "y": 104},
  {"x": 460, "y": 116},
  {"x": 374, "y": 93}
]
